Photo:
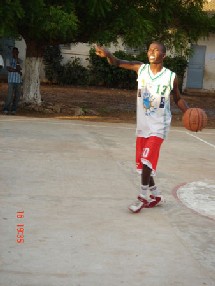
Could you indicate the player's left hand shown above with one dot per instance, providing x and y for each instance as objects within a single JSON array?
[{"x": 101, "y": 52}]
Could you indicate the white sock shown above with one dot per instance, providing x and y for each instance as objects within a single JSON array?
[
  {"x": 144, "y": 189},
  {"x": 155, "y": 192}
]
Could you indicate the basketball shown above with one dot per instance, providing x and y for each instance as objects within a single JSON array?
[{"x": 194, "y": 119}]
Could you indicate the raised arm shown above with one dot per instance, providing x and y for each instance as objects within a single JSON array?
[
  {"x": 181, "y": 103},
  {"x": 130, "y": 65}
]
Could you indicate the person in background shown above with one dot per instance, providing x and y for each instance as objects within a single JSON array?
[{"x": 14, "y": 83}]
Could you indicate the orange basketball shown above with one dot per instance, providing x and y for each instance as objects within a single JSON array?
[{"x": 195, "y": 119}]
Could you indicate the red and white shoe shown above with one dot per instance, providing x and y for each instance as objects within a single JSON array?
[
  {"x": 142, "y": 202},
  {"x": 159, "y": 199}
]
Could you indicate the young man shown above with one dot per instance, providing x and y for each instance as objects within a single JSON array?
[
  {"x": 155, "y": 83},
  {"x": 14, "y": 83}
]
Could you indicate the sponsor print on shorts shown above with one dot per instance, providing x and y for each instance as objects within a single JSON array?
[{"x": 145, "y": 152}]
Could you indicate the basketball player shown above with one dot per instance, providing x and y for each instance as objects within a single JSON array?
[{"x": 155, "y": 83}]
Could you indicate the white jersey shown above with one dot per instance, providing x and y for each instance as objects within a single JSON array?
[{"x": 153, "y": 102}]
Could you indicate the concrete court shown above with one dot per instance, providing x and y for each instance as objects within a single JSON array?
[{"x": 74, "y": 180}]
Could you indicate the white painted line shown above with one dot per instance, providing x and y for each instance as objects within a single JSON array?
[
  {"x": 61, "y": 122},
  {"x": 204, "y": 141},
  {"x": 175, "y": 130},
  {"x": 184, "y": 131},
  {"x": 104, "y": 126}
]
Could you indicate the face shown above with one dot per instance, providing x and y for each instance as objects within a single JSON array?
[
  {"x": 155, "y": 53},
  {"x": 15, "y": 53}
]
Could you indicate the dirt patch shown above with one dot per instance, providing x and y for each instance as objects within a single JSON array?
[{"x": 101, "y": 104}]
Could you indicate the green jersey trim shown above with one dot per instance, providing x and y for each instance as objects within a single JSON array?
[{"x": 153, "y": 78}]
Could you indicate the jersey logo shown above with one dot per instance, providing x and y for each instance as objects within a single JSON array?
[{"x": 148, "y": 100}]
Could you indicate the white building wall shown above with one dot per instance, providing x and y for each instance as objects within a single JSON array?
[
  {"x": 20, "y": 44},
  {"x": 81, "y": 50},
  {"x": 71, "y": 51},
  {"x": 209, "y": 72}
]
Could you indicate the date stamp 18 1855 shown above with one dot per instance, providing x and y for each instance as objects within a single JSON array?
[{"x": 20, "y": 228}]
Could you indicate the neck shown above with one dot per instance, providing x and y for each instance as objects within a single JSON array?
[{"x": 155, "y": 68}]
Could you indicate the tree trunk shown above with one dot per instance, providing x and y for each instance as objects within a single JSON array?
[
  {"x": 33, "y": 63},
  {"x": 31, "y": 83}
]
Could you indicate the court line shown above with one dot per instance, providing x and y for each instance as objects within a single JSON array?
[
  {"x": 204, "y": 141},
  {"x": 61, "y": 122},
  {"x": 184, "y": 131}
]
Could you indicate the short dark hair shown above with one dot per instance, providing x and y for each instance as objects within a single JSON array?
[
  {"x": 15, "y": 49},
  {"x": 160, "y": 44}
]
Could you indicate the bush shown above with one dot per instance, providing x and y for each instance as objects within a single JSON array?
[
  {"x": 177, "y": 64},
  {"x": 70, "y": 73},
  {"x": 52, "y": 61},
  {"x": 73, "y": 73},
  {"x": 101, "y": 73}
]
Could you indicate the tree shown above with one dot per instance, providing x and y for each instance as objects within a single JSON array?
[
  {"x": 137, "y": 22},
  {"x": 40, "y": 23}
]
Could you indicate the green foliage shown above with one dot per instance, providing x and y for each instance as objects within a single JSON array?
[
  {"x": 47, "y": 21},
  {"x": 73, "y": 73},
  {"x": 60, "y": 24},
  {"x": 41, "y": 23},
  {"x": 175, "y": 22},
  {"x": 212, "y": 27},
  {"x": 10, "y": 13},
  {"x": 101, "y": 73},
  {"x": 178, "y": 64},
  {"x": 70, "y": 73},
  {"x": 52, "y": 62},
  {"x": 96, "y": 8}
]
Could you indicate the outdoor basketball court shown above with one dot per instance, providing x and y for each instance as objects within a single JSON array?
[{"x": 65, "y": 187}]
